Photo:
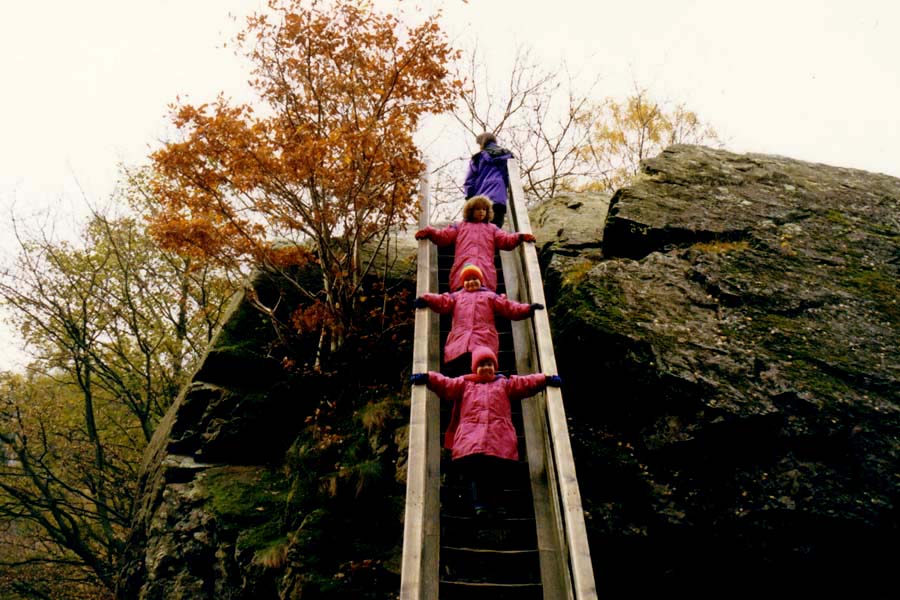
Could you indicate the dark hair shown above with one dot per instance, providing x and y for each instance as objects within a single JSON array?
[
  {"x": 483, "y": 139},
  {"x": 478, "y": 202}
]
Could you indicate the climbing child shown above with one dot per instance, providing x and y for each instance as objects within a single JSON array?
[
  {"x": 488, "y": 175},
  {"x": 473, "y": 308},
  {"x": 481, "y": 434},
  {"x": 476, "y": 238}
]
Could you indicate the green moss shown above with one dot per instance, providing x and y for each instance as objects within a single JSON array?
[
  {"x": 883, "y": 230},
  {"x": 782, "y": 323},
  {"x": 576, "y": 273},
  {"x": 603, "y": 304},
  {"x": 807, "y": 376},
  {"x": 881, "y": 289},
  {"x": 785, "y": 335},
  {"x": 251, "y": 500},
  {"x": 814, "y": 362},
  {"x": 838, "y": 217},
  {"x": 600, "y": 302},
  {"x": 246, "y": 332},
  {"x": 262, "y": 537}
]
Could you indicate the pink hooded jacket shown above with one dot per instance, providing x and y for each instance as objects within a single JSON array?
[
  {"x": 473, "y": 318},
  {"x": 475, "y": 244},
  {"x": 481, "y": 420}
]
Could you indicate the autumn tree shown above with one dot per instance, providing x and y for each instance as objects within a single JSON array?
[
  {"x": 113, "y": 312},
  {"x": 324, "y": 159},
  {"x": 114, "y": 325},
  {"x": 623, "y": 133},
  {"x": 64, "y": 513}
]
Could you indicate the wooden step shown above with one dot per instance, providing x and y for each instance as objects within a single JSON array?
[
  {"x": 491, "y": 557},
  {"x": 453, "y": 590},
  {"x": 514, "y": 503},
  {"x": 483, "y": 565},
  {"x": 514, "y": 474},
  {"x": 508, "y": 533}
]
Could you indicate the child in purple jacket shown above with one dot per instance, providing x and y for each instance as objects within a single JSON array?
[
  {"x": 481, "y": 434},
  {"x": 474, "y": 309},
  {"x": 476, "y": 238},
  {"x": 488, "y": 175}
]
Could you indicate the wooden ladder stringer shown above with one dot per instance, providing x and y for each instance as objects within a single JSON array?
[
  {"x": 419, "y": 576},
  {"x": 566, "y": 567}
]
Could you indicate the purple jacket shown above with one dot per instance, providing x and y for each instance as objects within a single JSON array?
[
  {"x": 481, "y": 421},
  {"x": 475, "y": 243},
  {"x": 488, "y": 174},
  {"x": 473, "y": 318}
]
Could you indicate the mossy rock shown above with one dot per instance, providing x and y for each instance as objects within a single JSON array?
[{"x": 248, "y": 500}]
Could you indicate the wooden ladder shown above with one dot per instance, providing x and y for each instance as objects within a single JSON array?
[{"x": 538, "y": 549}]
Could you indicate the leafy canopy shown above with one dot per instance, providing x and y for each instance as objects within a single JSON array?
[
  {"x": 622, "y": 134},
  {"x": 114, "y": 327},
  {"x": 325, "y": 158}
]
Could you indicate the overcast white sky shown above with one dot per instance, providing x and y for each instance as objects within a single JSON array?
[{"x": 86, "y": 83}]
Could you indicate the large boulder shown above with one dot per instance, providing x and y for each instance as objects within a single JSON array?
[
  {"x": 570, "y": 224},
  {"x": 732, "y": 369},
  {"x": 252, "y": 483},
  {"x": 207, "y": 474}
]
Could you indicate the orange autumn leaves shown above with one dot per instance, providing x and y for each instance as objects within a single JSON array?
[{"x": 325, "y": 158}]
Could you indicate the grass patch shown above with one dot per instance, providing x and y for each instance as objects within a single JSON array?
[
  {"x": 722, "y": 246},
  {"x": 273, "y": 555},
  {"x": 576, "y": 273}
]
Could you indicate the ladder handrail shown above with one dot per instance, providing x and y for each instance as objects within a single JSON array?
[
  {"x": 556, "y": 577},
  {"x": 563, "y": 462},
  {"x": 421, "y": 534}
]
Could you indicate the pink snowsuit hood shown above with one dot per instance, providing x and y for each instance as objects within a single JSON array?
[
  {"x": 482, "y": 353},
  {"x": 481, "y": 419}
]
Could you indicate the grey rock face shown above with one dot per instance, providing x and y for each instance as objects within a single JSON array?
[
  {"x": 571, "y": 224},
  {"x": 729, "y": 341},
  {"x": 732, "y": 371},
  {"x": 253, "y": 482},
  {"x": 205, "y": 464}
]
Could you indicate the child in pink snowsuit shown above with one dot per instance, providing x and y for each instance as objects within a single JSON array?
[
  {"x": 481, "y": 434},
  {"x": 473, "y": 308},
  {"x": 476, "y": 238}
]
